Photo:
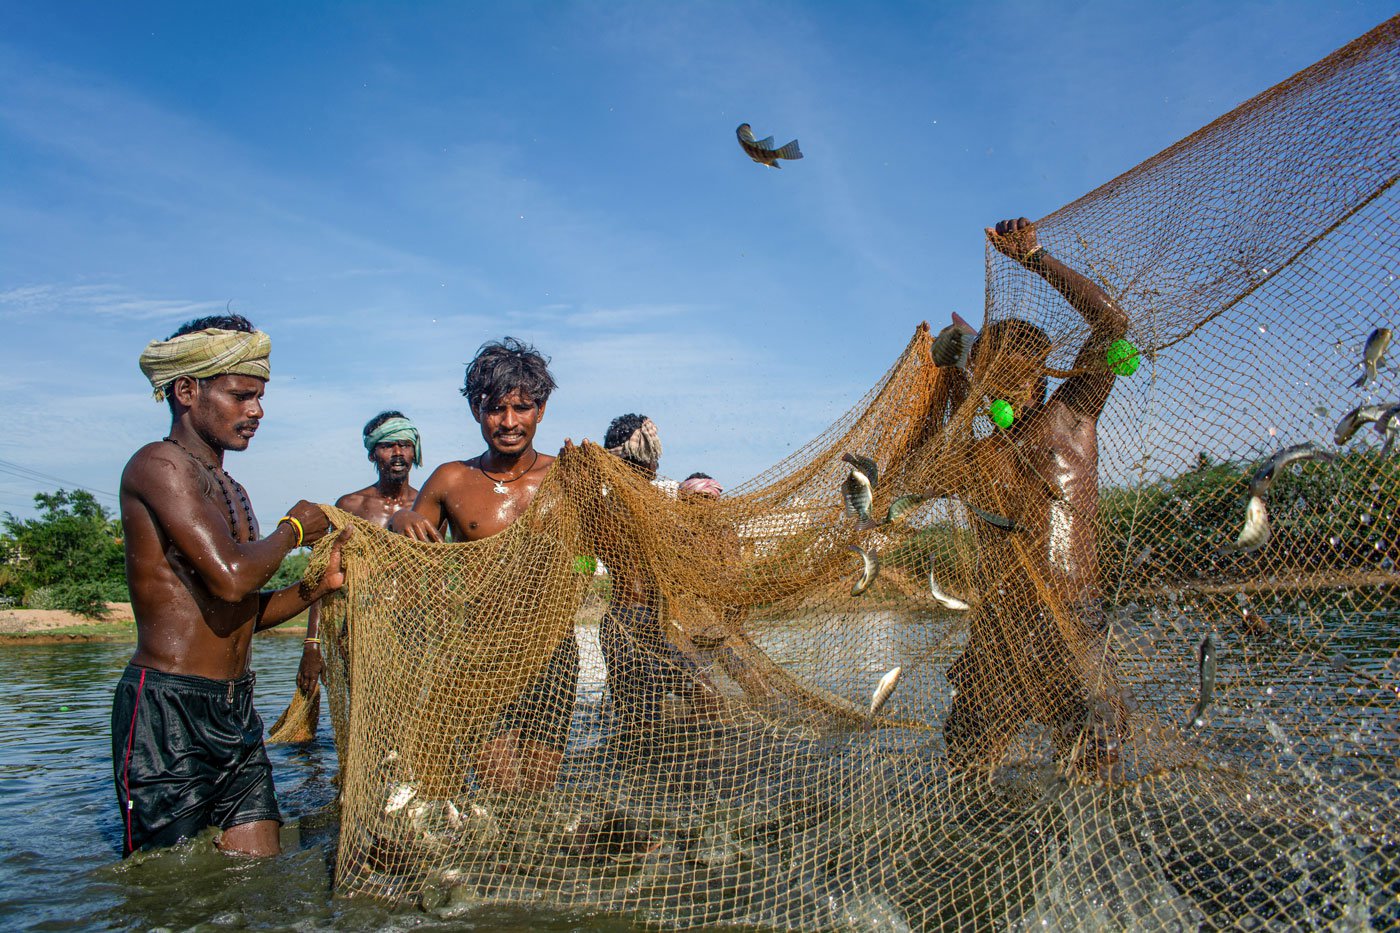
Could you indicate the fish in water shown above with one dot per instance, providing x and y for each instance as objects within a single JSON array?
[
  {"x": 999, "y": 521},
  {"x": 903, "y": 506},
  {"x": 943, "y": 599},
  {"x": 859, "y": 488},
  {"x": 1373, "y": 356},
  {"x": 1255, "y": 533},
  {"x": 953, "y": 344},
  {"x": 611, "y": 834},
  {"x": 1269, "y": 471},
  {"x": 884, "y": 688},
  {"x": 1206, "y": 658},
  {"x": 762, "y": 151},
  {"x": 399, "y": 796},
  {"x": 1353, "y": 420},
  {"x": 1254, "y": 623},
  {"x": 869, "y": 570}
]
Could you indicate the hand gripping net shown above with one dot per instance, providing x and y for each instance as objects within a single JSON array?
[{"x": 1046, "y": 756}]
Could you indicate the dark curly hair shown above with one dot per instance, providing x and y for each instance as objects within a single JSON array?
[
  {"x": 622, "y": 427},
  {"x": 501, "y": 367}
]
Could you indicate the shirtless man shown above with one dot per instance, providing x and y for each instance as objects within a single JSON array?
[
  {"x": 507, "y": 386},
  {"x": 642, "y": 665},
  {"x": 394, "y": 446},
  {"x": 187, "y": 745},
  {"x": 1029, "y": 658}
]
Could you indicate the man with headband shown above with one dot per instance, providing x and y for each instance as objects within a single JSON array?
[
  {"x": 394, "y": 446},
  {"x": 642, "y": 666},
  {"x": 507, "y": 386},
  {"x": 187, "y": 749}
]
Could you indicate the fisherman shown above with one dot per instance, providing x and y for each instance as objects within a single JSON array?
[
  {"x": 394, "y": 446},
  {"x": 187, "y": 746},
  {"x": 507, "y": 386},
  {"x": 1039, "y": 654},
  {"x": 642, "y": 665}
]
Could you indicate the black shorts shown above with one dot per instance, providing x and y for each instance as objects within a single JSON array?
[
  {"x": 543, "y": 712},
  {"x": 187, "y": 754}
]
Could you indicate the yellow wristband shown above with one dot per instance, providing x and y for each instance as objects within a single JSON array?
[
  {"x": 311, "y": 641},
  {"x": 301, "y": 535}
]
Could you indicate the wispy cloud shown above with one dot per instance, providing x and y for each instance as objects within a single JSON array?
[{"x": 103, "y": 300}]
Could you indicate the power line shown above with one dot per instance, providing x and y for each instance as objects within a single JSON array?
[{"x": 23, "y": 472}]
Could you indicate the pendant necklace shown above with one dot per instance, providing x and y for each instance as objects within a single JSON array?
[{"x": 500, "y": 484}]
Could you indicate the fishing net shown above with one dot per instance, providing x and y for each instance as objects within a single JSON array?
[{"x": 1120, "y": 709}]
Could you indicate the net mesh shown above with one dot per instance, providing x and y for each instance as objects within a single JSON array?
[{"x": 1129, "y": 718}]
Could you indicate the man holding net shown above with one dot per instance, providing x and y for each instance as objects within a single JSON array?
[
  {"x": 642, "y": 665},
  {"x": 507, "y": 386},
  {"x": 187, "y": 745},
  {"x": 1038, "y": 643},
  {"x": 394, "y": 446}
]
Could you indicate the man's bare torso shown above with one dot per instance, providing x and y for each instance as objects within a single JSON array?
[
  {"x": 373, "y": 506},
  {"x": 1052, "y": 460},
  {"x": 181, "y": 627},
  {"x": 470, "y": 503}
]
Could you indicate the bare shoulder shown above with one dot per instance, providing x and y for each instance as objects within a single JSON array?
[
  {"x": 449, "y": 475},
  {"x": 355, "y": 500},
  {"x": 157, "y": 466},
  {"x": 542, "y": 464}
]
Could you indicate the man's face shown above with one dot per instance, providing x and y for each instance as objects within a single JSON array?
[
  {"x": 1015, "y": 376},
  {"x": 225, "y": 410},
  {"x": 393, "y": 459},
  {"x": 508, "y": 425}
]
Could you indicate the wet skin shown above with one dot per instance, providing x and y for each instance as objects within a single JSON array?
[
  {"x": 195, "y": 575},
  {"x": 462, "y": 496},
  {"x": 378, "y": 503},
  {"x": 1047, "y": 467}
]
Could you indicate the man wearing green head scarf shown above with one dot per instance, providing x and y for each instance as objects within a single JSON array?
[{"x": 394, "y": 447}]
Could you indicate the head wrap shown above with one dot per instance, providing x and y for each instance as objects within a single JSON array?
[
  {"x": 704, "y": 486},
  {"x": 396, "y": 429},
  {"x": 204, "y": 354},
  {"x": 642, "y": 446}
]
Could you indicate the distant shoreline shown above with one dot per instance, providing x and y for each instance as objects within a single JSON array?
[{"x": 55, "y": 627}]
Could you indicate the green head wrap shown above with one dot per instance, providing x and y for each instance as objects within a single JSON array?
[{"x": 396, "y": 429}]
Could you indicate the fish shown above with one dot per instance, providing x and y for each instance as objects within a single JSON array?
[
  {"x": 870, "y": 569},
  {"x": 1206, "y": 658},
  {"x": 943, "y": 599},
  {"x": 858, "y": 491},
  {"x": 1005, "y": 524},
  {"x": 903, "y": 506},
  {"x": 1264, "y": 477},
  {"x": 612, "y": 834},
  {"x": 1373, "y": 357},
  {"x": 1353, "y": 420},
  {"x": 1254, "y": 623},
  {"x": 1255, "y": 533},
  {"x": 1388, "y": 426},
  {"x": 884, "y": 689},
  {"x": 953, "y": 344},
  {"x": 762, "y": 151},
  {"x": 399, "y": 796}
]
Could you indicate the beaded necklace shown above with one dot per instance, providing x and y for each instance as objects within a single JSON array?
[{"x": 228, "y": 499}]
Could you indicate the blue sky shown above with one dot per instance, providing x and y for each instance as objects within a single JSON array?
[{"x": 383, "y": 187}]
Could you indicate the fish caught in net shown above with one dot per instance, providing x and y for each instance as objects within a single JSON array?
[{"x": 1088, "y": 620}]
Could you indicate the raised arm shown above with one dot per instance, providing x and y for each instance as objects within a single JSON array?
[
  {"x": 176, "y": 492},
  {"x": 1086, "y": 393}
]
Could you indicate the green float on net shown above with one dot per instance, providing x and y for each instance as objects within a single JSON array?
[
  {"x": 586, "y": 565},
  {"x": 1002, "y": 413},
  {"x": 1123, "y": 357}
]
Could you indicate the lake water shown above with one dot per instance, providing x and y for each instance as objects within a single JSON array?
[{"x": 59, "y": 830}]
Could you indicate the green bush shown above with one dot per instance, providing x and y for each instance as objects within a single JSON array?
[{"x": 291, "y": 571}]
